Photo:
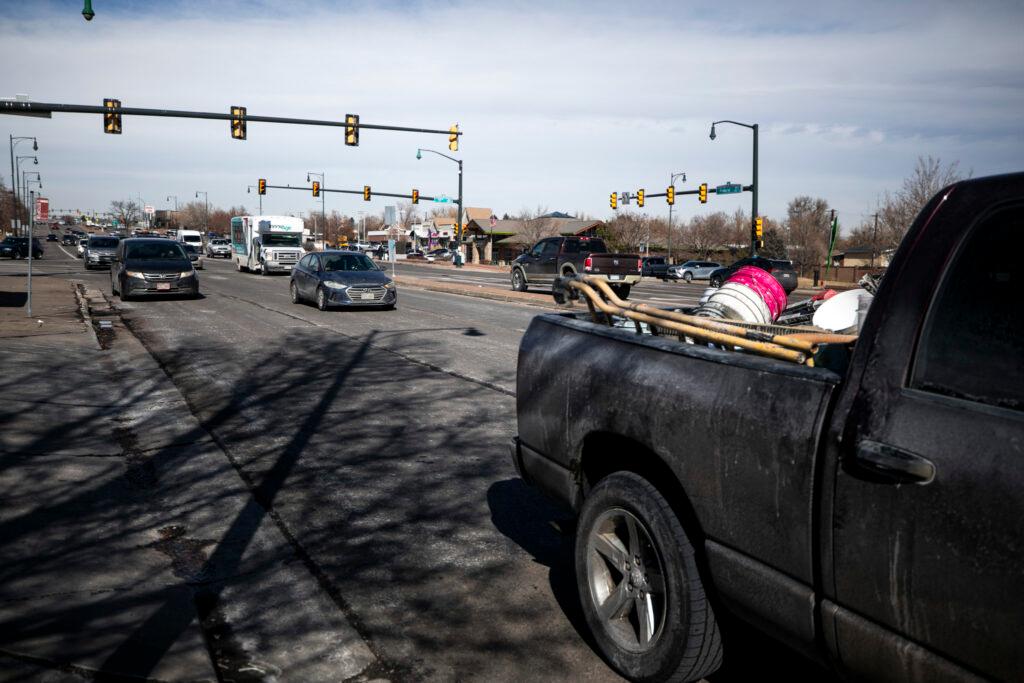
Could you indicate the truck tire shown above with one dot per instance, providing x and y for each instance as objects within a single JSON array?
[
  {"x": 716, "y": 281},
  {"x": 621, "y": 291},
  {"x": 639, "y": 587},
  {"x": 518, "y": 281}
]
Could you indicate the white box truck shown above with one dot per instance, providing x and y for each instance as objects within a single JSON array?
[{"x": 266, "y": 244}]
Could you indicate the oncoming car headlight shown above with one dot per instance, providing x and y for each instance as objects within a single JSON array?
[
  {"x": 389, "y": 285},
  {"x": 334, "y": 285},
  {"x": 132, "y": 273},
  {"x": 186, "y": 273}
]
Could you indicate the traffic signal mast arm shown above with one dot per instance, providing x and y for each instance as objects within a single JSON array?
[
  {"x": 46, "y": 109},
  {"x": 711, "y": 190},
  {"x": 359, "y": 192}
]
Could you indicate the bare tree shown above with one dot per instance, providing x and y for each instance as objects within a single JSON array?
[
  {"x": 127, "y": 212},
  {"x": 535, "y": 226},
  {"x": 807, "y": 231},
  {"x": 191, "y": 215},
  {"x": 627, "y": 231},
  {"x": 704, "y": 234},
  {"x": 898, "y": 210},
  {"x": 408, "y": 214}
]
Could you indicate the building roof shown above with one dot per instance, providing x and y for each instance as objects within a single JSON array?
[{"x": 474, "y": 213}]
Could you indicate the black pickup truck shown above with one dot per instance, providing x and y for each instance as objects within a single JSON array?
[
  {"x": 555, "y": 256},
  {"x": 872, "y": 520}
]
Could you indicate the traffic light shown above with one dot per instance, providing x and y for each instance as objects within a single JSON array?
[
  {"x": 316, "y": 188},
  {"x": 112, "y": 117},
  {"x": 352, "y": 130},
  {"x": 670, "y": 195},
  {"x": 261, "y": 186},
  {"x": 614, "y": 201},
  {"x": 759, "y": 227},
  {"x": 453, "y": 138},
  {"x": 640, "y": 198},
  {"x": 238, "y": 123},
  {"x": 366, "y": 193},
  {"x": 415, "y": 196},
  {"x": 703, "y": 193}
]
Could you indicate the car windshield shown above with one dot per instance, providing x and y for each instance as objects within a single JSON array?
[
  {"x": 103, "y": 242},
  {"x": 278, "y": 240},
  {"x": 346, "y": 262},
  {"x": 147, "y": 251},
  {"x": 220, "y": 242}
]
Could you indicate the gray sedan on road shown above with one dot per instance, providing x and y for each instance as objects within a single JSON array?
[
  {"x": 692, "y": 270},
  {"x": 341, "y": 278}
]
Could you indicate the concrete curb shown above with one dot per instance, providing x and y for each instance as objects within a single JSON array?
[{"x": 83, "y": 305}]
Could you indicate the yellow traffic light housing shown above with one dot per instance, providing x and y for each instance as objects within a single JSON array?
[
  {"x": 640, "y": 198},
  {"x": 453, "y": 138},
  {"x": 316, "y": 188},
  {"x": 759, "y": 227},
  {"x": 112, "y": 117},
  {"x": 261, "y": 186},
  {"x": 366, "y": 193},
  {"x": 614, "y": 201},
  {"x": 238, "y": 123},
  {"x": 415, "y": 196},
  {"x": 703, "y": 193},
  {"x": 670, "y": 195},
  {"x": 352, "y": 130}
]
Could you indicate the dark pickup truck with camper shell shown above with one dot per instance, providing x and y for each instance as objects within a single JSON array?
[
  {"x": 871, "y": 518},
  {"x": 556, "y": 256}
]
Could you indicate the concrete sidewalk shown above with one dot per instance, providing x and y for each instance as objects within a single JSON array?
[{"x": 129, "y": 545}]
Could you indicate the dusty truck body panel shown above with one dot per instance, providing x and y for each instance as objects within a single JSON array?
[{"x": 871, "y": 520}]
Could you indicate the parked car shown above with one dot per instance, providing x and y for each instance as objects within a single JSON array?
[
  {"x": 693, "y": 270},
  {"x": 99, "y": 251},
  {"x": 218, "y": 247},
  {"x": 194, "y": 255},
  {"x": 82, "y": 244},
  {"x": 559, "y": 256},
  {"x": 867, "y": 514},
  {"x": 17, "y": 247},
  {"x": 145, "y": 266},
  {"x": 654, "y": 266},
  {"x": 441, "y": 254},
  {"x": 341, "y": 278},
  {"x": 786, "y": 276},
  {"x": 415, "y": 256}
]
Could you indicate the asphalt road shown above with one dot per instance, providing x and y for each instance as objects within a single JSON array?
[{"x": 379, "y": 440}]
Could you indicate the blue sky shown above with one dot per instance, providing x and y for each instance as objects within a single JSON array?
[{"x": 561, "y": 103}]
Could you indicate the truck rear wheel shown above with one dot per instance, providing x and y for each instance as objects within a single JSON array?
[
  {"x": 639, "y": 587},
  {"x": 621, "y": 291}
]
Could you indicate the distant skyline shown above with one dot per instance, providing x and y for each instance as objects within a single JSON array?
[{"x": 561, "y": 103}]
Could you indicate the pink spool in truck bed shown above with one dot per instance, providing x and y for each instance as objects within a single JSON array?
[{"x": 766, "y": 286}]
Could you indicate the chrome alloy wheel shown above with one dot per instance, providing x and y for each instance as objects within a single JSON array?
[{"x": 625, "y": 574}]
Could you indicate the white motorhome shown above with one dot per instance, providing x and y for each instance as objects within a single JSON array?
[{"x": 266, "y": 244}]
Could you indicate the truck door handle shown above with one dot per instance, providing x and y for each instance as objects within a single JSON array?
[{"x": 884, "y": 464}]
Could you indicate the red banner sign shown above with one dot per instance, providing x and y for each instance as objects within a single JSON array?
[{"x": 42, "y": 209}]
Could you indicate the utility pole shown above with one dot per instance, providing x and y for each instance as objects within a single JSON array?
[{"x": 874, "y": 240}]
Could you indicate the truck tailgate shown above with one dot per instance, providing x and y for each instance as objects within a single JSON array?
[{"x": 614, "y": 264}]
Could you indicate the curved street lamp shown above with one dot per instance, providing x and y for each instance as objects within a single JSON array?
[
  {"x": 14, "y": 141},
  {"x": 206, "y": 211},
  {"x": 458, "y": 219},
  {"x": 753, "y": 184}
]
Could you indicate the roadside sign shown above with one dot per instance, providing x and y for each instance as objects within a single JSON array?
[
  {"x": 42, "y": 209},
  {"x": 149, "y": 210},
  {"x": 729, "y": 188}
]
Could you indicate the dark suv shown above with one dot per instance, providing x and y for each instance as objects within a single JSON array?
[
  {"x": 17, "y": 247},
  {"x": 654, "y": 266},
  {"x": 152, "y": 266},
  {"x": 782, "y": 270}
]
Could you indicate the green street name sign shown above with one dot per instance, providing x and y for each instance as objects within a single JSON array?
[{"x": 729, "y": 188}]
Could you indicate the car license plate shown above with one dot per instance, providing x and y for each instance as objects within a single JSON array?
[
  {"x": 614, "y": 277},
  {"x": 366, "y": 295},
  {"x": 163, "y": 285}
]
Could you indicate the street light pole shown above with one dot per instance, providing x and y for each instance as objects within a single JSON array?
[
  {"x": 323, "y": 205},
  {"x": 458, "y": 219},
  {"x": 248, "y": 190},
  {"x": 13, "y": 142},
  {"x": 753, "y": 185},
  {"x": 24, "y": 188},
  {"x": 175, "y": 198},
  {"x": 672, "y": 183},
  {"x": 206, "y": 211}
]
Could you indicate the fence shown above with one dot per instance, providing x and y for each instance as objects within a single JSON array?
[{"x": 849, "y": 274}]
